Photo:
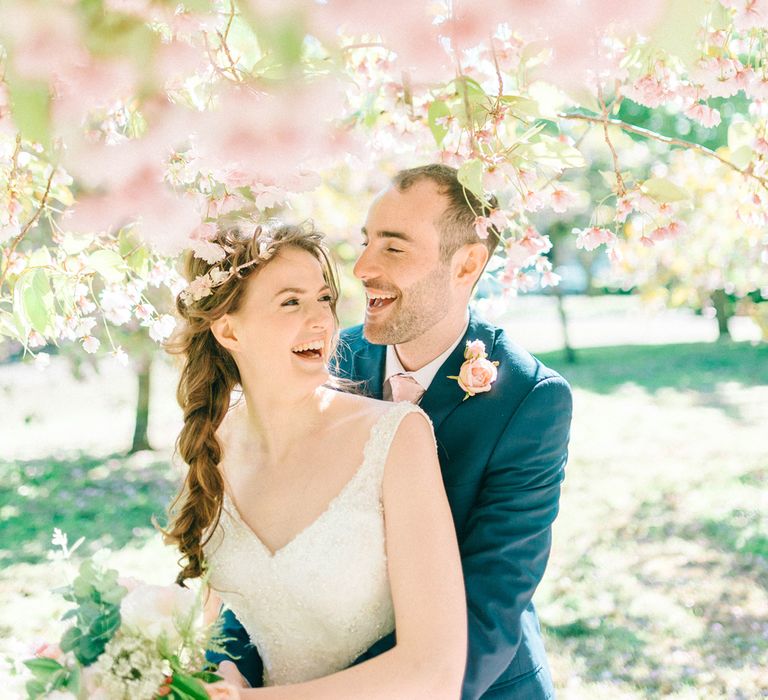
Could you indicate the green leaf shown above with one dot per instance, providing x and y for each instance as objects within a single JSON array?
[
  {"x": 244, "y": 44},
  {"x": 108, "y": 264},
  {"x": 30, "y": 106},
  {"x": 472, "y": 103},
  {"x": 552, "y": 153},
  {"x": 742, "y": 156},
  {"x": 37, "y": 301},
  {"x": 522, "y": 106},
  {"x": 663, "y": 190},
  {"x": 740, "y": 134},
  {"x": 189, "y": 685},
  {"x": 35, "y": 689},
  {"x": 73, "y": 244},
  {"x": 437, "y": 110},
  {"x": 610, "y": 178},
  {"x": 677, "y": 28},
  {"x": 40, "y": 257},
  {"x": 471, "y": 176},
  {"x": 70, "y": 639},
  {"x": 8, "y": 326},
  {"x": 43, "y": 667}
]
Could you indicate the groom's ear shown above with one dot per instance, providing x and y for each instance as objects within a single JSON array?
[
  {"x": 469, "y": 262},
  {"x": 225, "y": 332}
]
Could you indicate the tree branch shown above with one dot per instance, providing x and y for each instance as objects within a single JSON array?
[
  {"x": 647, "y": 133},
  {"x": 27, "y": 226}
]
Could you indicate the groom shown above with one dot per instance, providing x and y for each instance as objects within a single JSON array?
[{"x": 502, "y": 450}]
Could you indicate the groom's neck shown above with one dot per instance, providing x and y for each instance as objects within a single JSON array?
[{"x": 433, "y": 342}]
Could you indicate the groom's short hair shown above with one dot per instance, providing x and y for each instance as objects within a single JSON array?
[{"x": 457, "y": 223}]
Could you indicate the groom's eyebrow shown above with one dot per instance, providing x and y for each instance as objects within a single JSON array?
[{"x": 388, "y": 234}]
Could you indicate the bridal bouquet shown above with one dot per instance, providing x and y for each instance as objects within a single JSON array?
[{"x": 126, "y": 641}]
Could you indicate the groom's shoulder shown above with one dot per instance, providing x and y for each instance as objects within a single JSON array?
[
  {"x": 353, "y": 335},
  {"x": 522, "y": 368}
]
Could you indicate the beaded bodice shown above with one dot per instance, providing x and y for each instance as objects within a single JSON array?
[{"x": 317, "y": 603}]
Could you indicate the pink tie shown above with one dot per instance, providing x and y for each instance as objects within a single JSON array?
[{"x": 405, "y": 388}]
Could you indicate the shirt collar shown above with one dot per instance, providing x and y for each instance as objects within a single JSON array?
[{"x": 426, "y": 374}]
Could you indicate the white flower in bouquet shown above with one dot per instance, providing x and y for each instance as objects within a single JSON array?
[
  {"x": 160, "y": 612},
  {"x": 129, "y": 669}
]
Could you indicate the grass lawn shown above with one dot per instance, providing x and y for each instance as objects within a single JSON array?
[{"x": 658, "y": 580}]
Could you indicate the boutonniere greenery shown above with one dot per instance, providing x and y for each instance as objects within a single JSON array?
[{"x": 478, "y": 372}]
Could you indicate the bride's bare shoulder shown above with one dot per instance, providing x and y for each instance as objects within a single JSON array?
[{"x": 358, "y": 407}]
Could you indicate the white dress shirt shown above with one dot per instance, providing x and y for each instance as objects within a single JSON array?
[{"x": 423, "y": 376}]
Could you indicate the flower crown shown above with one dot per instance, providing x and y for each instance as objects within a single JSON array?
[{"x": 203, "y": 285}]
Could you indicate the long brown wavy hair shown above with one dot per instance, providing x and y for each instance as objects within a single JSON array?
[{"x": 209, "y": 373}]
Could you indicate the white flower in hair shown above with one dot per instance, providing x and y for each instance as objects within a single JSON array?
[
  {"x": 208, "y": 251},
  {"x": 219, "y": 276}
]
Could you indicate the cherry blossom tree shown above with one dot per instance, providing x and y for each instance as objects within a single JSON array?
[{"x": 128, "y": 128}]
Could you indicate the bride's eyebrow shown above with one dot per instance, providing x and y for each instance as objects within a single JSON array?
[{"x": 298, "y": 290}]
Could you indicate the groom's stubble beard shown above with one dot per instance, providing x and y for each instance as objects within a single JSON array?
[{"x": 419, "y": 307}]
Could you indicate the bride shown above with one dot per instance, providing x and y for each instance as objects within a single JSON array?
[{"x": 321, "y": 514}]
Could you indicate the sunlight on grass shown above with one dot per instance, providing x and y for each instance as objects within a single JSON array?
[{"x": 658, "y": 581}]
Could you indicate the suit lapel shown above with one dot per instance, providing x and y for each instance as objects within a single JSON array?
[{"x": 444, "y": 395}]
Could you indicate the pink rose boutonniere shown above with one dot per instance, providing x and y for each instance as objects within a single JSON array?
[{"x": 478, "y": 372}]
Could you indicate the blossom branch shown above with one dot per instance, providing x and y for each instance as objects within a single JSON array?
[
  {"x": 28, "y": 225},
  {"x": 670, "y": 141},
  {"x": 620, "y": 187}
]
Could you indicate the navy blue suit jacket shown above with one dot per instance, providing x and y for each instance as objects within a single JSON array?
[{"x": 502, "y": 455}]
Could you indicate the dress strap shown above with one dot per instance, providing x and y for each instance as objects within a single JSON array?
[{"x": 383, "y": 432}]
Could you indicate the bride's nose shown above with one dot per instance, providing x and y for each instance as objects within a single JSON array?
[{"x": 319, "y": 316}]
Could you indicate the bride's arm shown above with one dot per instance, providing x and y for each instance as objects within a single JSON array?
[
  {"x": 211, "y": 606},
  {"x": 427, "y": 589}
]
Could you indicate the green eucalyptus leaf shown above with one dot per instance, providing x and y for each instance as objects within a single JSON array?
[
  {"x": 35, "y": 689},
  {"x": 70, "y": 639},
  {"x": 43, "y": 667}
]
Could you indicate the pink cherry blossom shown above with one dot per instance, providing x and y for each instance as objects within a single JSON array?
[
  {"x": 91, "y": 344},
  {"x": 549, "y": 279},
  {"x": 706, "y": 116},
  {"x": 718, "y": 75},
  {"x": 761, "y": 146},
  {"x": 162, "y": 328},
  {"x": 562, "y": 199},
  {"x": 591, "y": 238}
]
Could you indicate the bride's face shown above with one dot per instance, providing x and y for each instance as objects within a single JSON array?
[{"x": 285, "y": 327}]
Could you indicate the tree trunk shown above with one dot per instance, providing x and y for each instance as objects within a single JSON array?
[
  {"x": 570, "y": 354},
  {"x": 140, "y": 437},
  {"x": 722, "y": 313}
]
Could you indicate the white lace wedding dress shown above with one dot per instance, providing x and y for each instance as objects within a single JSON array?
[{"x": 316, "y": 604}]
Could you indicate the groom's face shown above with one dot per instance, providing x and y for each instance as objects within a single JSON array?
[{"x": 407, "y": 285}]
